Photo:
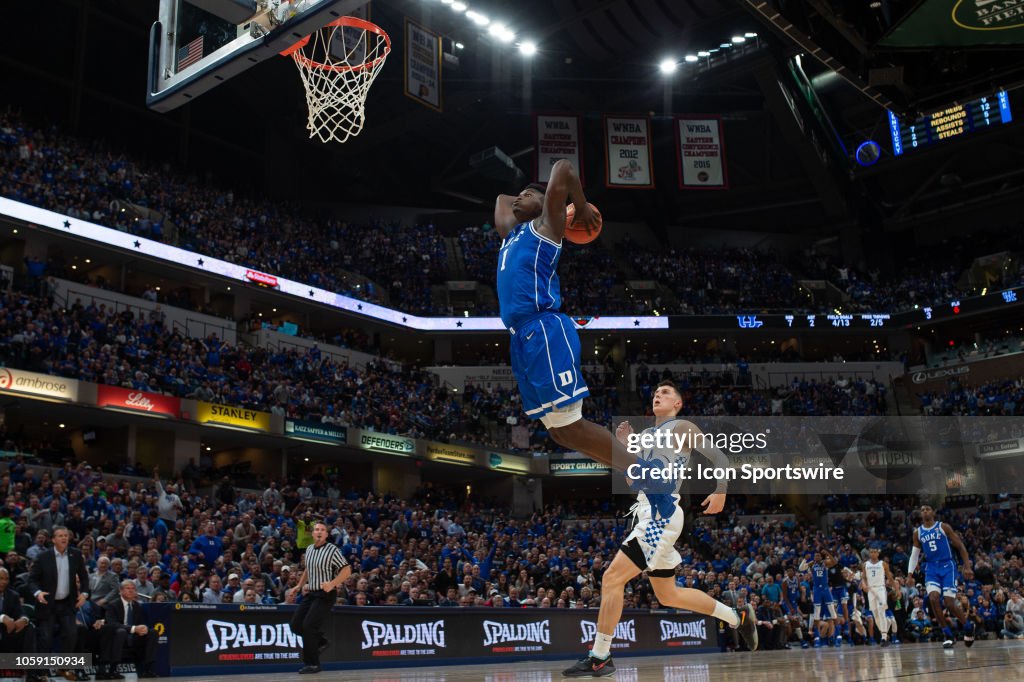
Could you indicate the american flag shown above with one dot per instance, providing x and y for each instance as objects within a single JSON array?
[{"x": 190, "y": 54}]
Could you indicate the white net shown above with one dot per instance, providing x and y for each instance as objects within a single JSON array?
[{"x": 338, "y": 64}]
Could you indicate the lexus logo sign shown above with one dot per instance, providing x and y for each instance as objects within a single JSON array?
[{"x": 922, "y": 377}]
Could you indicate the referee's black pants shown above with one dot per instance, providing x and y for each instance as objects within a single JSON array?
[{"x": 308, "y": 623}]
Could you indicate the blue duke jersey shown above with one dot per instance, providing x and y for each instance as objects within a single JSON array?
[
  {"x": 934, "y": 544},
  {"x": 545, "y": 348},
  {"x": 527, "y": 275},
  {"x": 940, "y": 574},
  {"x": 819, "y": 575}
]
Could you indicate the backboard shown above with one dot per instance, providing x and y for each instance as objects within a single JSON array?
[{"x": 196, "y": 45}]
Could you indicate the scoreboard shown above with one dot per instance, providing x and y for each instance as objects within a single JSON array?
[
  {"x": 837, "y": 321},
  {"x": 954, "y": 121}
]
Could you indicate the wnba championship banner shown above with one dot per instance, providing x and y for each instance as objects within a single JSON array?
[
  {"x": 701, "y": 153},
  {"x": 422, "y": 65},
  {"x": 558, "y": 137},
  {"x": 627, "y": 151}
]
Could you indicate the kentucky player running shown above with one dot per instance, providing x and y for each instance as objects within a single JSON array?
[
  {"x": 937, "y": 541},
  {"x": 651, "y": 544},
  {"x": 875, "y": 577},
  {"x": 822, "y": 596}
]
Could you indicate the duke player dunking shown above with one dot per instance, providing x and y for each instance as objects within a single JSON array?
[
  {"x": 651, "y": 544},
  {"x": 937, "y": 541},
  {"x": 545, "y": 347}
]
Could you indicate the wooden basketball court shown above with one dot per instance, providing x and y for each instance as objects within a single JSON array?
[{"x": 991, "y": 660}]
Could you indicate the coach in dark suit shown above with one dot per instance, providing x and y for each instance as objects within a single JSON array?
[
  {"x": 54, "y": 580},
  {"x": 123, "y": 626},
  {"x": 17, "y": 634}
]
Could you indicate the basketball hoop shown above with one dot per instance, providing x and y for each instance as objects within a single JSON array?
[{"x": 338, "y": 64}]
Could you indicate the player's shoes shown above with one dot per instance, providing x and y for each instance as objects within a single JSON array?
[
  {"x": 747, "y": 626},
  {"x": 969, "y": 634},
  {"x": 885, "y": 643},
  {"x": 839, "y": 642},
  {"x": 948, "y": 643},
  {"x": 805, "y": 644},
  {"x": 817, "y": 642},
  {"x": 591, "y": 667}
]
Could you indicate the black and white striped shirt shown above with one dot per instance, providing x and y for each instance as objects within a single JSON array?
[{"x": 323, "y": 564}]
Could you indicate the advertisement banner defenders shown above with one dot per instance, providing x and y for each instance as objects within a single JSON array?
[{"x": 230, "y": 639}]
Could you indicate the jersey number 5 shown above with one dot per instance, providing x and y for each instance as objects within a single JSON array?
[{"x": 932, "y": 546}]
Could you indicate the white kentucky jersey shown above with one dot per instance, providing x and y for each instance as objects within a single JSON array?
[
  {"x": 874, "y": 573},
  {"x": 667, "y": 455}
]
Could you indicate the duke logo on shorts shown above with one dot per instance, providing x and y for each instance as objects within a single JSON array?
[
  {"x": 545, "y": 347},
  {"x": 939, "y": 568}
]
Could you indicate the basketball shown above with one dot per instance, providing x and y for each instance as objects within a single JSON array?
[{"x": 577, "y": 232}]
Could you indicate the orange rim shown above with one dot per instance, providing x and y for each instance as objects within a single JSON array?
[{"x": 352, "y": 22}]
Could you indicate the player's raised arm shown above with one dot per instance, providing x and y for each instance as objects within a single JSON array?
[
  {"x": 957, "y": 544},
  {"x": 563, "y": 187},
  {"x": 504, "y": 217}
]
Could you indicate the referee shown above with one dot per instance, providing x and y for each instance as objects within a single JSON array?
[{"x": 326, "y": 569}]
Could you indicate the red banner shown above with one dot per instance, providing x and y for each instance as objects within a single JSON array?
[
  {"x": 138, "y": 401},
  {"x": 261, "y": 278}
]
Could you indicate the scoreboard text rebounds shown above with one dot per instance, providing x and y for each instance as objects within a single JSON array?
[{"x": 953, "y": 121}]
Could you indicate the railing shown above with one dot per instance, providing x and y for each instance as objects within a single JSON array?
[{"x": 187, "y": 322}]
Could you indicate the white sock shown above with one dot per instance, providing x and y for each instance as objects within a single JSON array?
[
  {"x": 724, "y": 613},
  {"x": 602, "y": 646}
]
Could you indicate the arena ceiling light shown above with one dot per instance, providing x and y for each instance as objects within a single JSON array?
[
  {"x": 477, "y": 18},
  {"x": 704, "y": 53},
  {"x": 691, "y": 58},
  {"x": 459, "y": 6},
  {"x": 749, "y": 34},
  {"x": 739, "y": 39},
  {"x": 668, "y": 66},
  {"x": 502, "y": 33},
  {"x": 528, "y": 48}
]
